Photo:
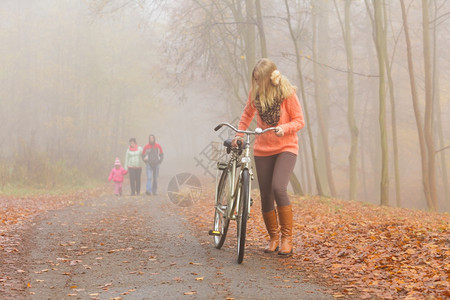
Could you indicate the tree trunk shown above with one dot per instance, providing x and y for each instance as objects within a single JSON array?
[
  {"x": 438, "y": 113},
  {"x": 393, "y": 114},
  {"x": 306, "y": 163},
  {"x": 260, "y": 24},
  {"x": 417, "y": 114},
  {"x": 250, "y": 37},
  {"x": 321, "y": 96},
  {"x": 296, "y": 185},
  {"x": 428, "y": 123},
  {"x": 380, "y": 40},
  {"x": 354, "y": 132}
]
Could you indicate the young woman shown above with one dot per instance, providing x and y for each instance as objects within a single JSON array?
[
  {"x": 133, "y": 163},
  {"x": 272, "y": 98}
]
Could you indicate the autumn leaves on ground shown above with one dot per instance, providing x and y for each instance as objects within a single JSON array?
[
  {"x": 16, "y": 214},
  {"x": 357, "y": 250},
  {"x": 364, "y": 250}
]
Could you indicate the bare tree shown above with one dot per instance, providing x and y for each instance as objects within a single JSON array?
[
  {"x": 321, "y": 92},
  {"x": 428, "y": 121},
  {"x": 222, "y": 35},
  {"x": 418, "y": 117},
  {"x": 354, "y": 132},
  {"x": 260, "y": 24},
  {"x": 390, "y": 81},
  {"x": 437, "y": 102},
  {"x": 380, "y": 41}
]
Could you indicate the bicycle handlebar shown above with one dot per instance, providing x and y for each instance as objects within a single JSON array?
[{"x": 256, "y": 131}]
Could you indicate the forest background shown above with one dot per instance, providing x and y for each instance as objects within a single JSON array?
[{"x": 79, "y": 78}]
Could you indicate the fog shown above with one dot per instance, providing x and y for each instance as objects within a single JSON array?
[{"x": 79, "y": 78}]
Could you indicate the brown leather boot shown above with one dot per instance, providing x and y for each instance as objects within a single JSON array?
[
  {"x": 286, "y": 223},
  {"x": 271, "y": 221}
]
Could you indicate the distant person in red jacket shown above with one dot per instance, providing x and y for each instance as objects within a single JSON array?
[
  {"x": 153, "y": 156},
  {"x": 116, "y": 175}
]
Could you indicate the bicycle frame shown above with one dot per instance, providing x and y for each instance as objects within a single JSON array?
[
  {"x": 233, "y": 200},
  {"x": 233, "y": 186},
  {"x": 245, "y": 165},
  {"x": 230, "y": 202},
  {"x": 236, "y": 185}
]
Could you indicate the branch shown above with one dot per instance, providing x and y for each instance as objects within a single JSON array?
[
  {"x": 441, "y": 16},
  {"x": 446, "y": 147},
  {"x": 328, "y": 66}
]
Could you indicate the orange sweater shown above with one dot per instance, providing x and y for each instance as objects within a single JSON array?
[{"x": 291, "y": 120}]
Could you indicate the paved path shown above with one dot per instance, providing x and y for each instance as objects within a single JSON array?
[{"x": 140, "y": 248}]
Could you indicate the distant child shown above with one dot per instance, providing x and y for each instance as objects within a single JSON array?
[{"x": 116, "y": 175}]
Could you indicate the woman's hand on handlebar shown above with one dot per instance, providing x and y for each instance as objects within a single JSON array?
[
  {"x": 234, "y": 142},
  {"x": 279, "y": 131}
]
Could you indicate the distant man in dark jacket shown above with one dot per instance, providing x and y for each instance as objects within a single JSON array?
[{"x": 153, "y": 156}]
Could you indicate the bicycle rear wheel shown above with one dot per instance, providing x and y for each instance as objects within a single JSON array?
[
  {"x": 243, "y": 214},
  {"x": 221, "y": 222}
]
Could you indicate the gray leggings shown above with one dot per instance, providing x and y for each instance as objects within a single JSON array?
[{"x": 274, "y": 173}]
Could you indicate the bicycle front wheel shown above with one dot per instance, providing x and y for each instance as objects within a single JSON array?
[
  {"x": 221, "y": 222},
  {"x": 243, "y": 214}
]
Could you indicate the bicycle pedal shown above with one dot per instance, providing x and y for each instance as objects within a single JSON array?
[{"x": 214, "y": 232}]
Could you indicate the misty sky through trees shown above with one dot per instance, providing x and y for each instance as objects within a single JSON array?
[{"x": 80, "y": 77}]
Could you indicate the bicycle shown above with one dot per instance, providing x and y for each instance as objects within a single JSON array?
[{"x": 232, "y": 198}]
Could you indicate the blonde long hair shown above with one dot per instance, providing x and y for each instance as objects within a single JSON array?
[{"x": 271, "y": 85}]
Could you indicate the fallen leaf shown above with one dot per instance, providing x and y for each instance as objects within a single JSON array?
[
  {"x": 74, "y": 262},
  {"x": 338, "y": 295},
  {"x": 190, "y": 293},
  {"x": 411, "y": 251}
]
